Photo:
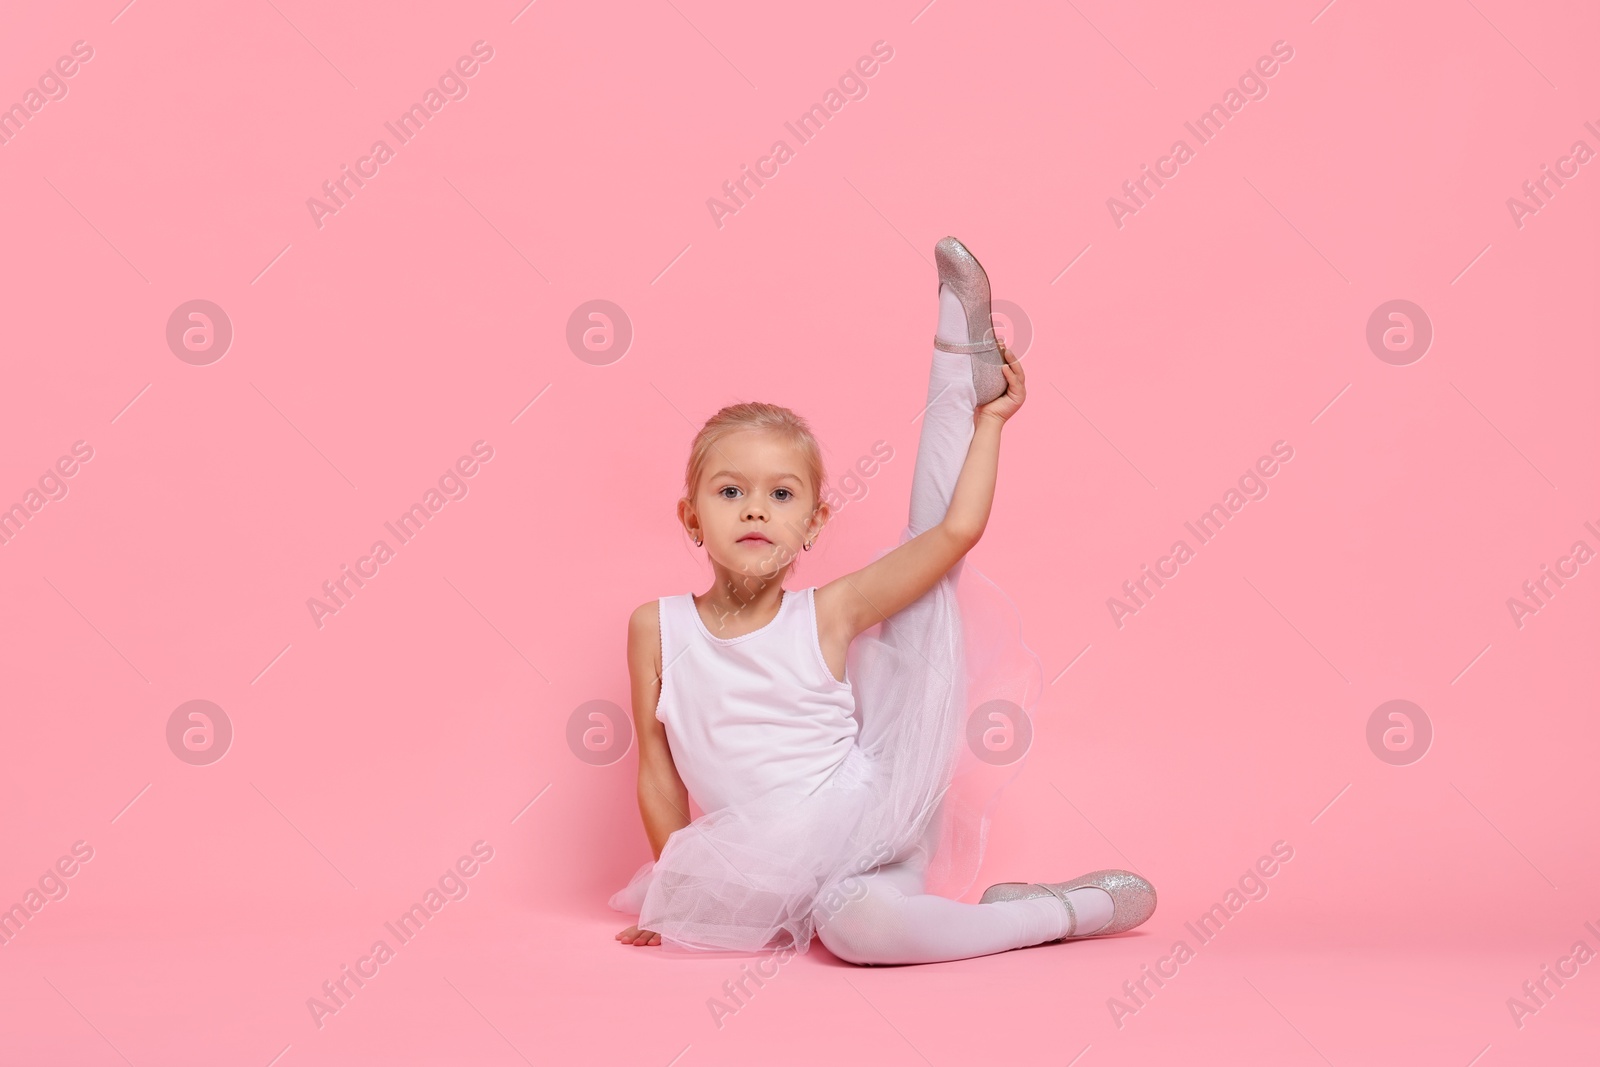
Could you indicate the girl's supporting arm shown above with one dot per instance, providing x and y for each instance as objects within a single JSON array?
[{"x": 663, "y": 799}]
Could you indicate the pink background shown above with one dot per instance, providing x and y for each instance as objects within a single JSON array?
[{"x": 368, "y": 354}]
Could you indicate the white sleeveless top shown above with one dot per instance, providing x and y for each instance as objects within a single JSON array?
[{"x": 750, "y": 714}]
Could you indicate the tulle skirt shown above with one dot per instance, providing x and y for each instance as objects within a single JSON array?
[{"x": 946, "y": 691}]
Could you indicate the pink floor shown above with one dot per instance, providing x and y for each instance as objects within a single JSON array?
[
  {"x": 1359, "y": 319},
  {"x": 1385, "y": 980}
]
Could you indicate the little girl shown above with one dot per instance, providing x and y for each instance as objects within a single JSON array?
[{"x": 836, "y": 738}]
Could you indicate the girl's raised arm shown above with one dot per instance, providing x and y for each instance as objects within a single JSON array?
[{"x": 881, "y": 588}]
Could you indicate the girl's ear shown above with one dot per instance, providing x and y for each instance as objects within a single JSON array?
[{"x": 686, "y": 517}]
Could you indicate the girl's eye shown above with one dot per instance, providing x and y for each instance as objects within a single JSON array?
[{"x": 788, "y": 494}]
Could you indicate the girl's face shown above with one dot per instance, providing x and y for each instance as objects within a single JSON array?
[{"x": 755, "y": 505}]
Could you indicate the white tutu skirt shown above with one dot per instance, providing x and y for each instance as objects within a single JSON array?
[{"x": 946, "y": 691}]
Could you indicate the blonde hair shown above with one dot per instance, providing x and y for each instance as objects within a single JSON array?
[{"x": 755, "y": 415}]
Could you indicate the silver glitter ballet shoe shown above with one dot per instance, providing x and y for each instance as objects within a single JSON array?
[
  {"x": 1133, "y": 900},
  {"x": 962, "y": 272}
]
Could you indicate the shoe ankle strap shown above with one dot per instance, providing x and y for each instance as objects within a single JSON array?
[
  {"x": 1072, "y": 913},
  {"x": 964, "y": 346}
]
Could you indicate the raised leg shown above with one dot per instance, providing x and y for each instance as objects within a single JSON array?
[{"x": 946, "y": 433}]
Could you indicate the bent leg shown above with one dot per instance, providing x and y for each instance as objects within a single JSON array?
[{"x": 890, "y": 920}]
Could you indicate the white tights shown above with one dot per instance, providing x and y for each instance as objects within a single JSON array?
[
  {"x": 893, "y": 920},
  {"x": 888, "y": 916}
]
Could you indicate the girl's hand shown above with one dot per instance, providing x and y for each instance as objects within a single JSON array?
[
  {"x": 635, "y": 936},
  {"x": 1006, "y": 405}
]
